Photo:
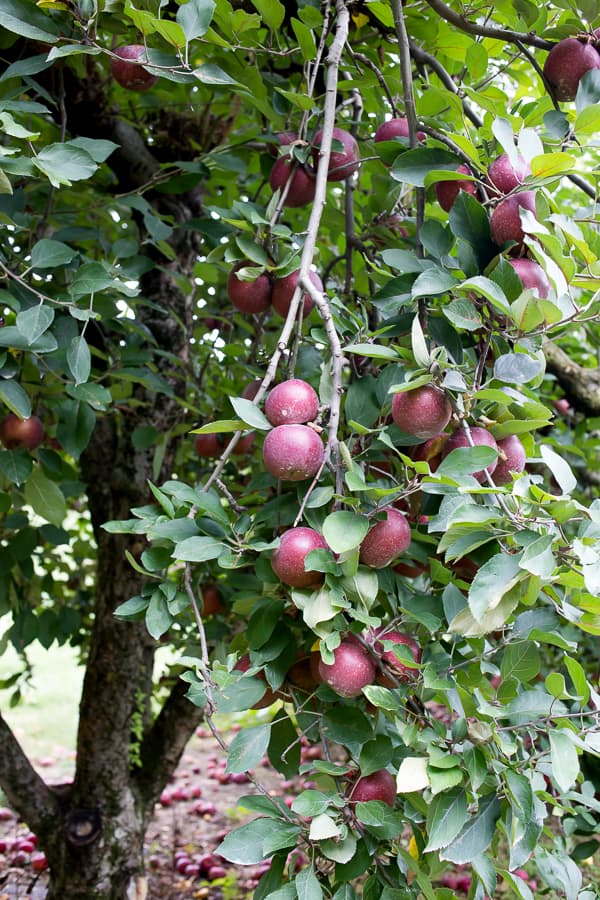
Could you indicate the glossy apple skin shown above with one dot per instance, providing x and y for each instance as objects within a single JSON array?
[
  {"x": 379, "y": 785},
  {"x": 293, "y": 452},
  {"x": 250, "y": 297},
  {"x": 288, "y": 559},
  {"x": 423, "y": 413},
  {"x": 16, "y": 432},
  {"x": 505, "y": 177},
  {"x": 399, "y": 671},
  {"x": 531, "y": 274},
  {"x": 302, "y": 186},
  {"x": 566, "y": 64},
  {"x": 342, "y": 163},
  {"x": 385, "y": 540},
  {"x": 127, "y": 71},
  {"x": 515, "y": 460},
  {"x": 395, "y": 128},
  {"x": 283, "y": 291},
  {"x": 292, "y": 402},
  {"x": 480, "y": 437},
  {"x": 351, "y": 671},
  {"x": 505, "y": 223},
  {"x": 447, "y": 191}
]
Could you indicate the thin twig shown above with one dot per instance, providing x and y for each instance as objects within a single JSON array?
[{"x": 491, "y": 31}]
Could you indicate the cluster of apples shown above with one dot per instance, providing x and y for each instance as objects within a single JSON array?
[{"x": 257, "y": 295}]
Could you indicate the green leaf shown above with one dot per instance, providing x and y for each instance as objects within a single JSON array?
[
  {"x": 538, "y": 558},
  {"x": 194, "y": 17},
  {"x": 565, "y": 761},
  {"x": 248, "y": 748},
  {"x": 307, "y": 883},
  {"x": 13, "y": 396},
  {"x": 272, "y": 12},
  {"x": 559, "y": 871},
  {"x": 466, "y": 460},
  {"x": 306, "y": 40},
  {"x": 550, "y": 165},
  {"x": 212, "y": 74},
  {"x": 469, "y": 221},
  {"x": 47, "y": 254},
  {"x": 244, "y": 846},
  {"x": 34, "y": 322},
  {"x": 45, "y": 497},
  {"x": 25, "y": 18},
  {"x": 521, "y": 660},
  {"x": 560, "y": 468},
  {"x": 345, "y": 530},
  {"x": 79, "y": 359},
  {"x": 414, "y": 166},
  {"x": 380, "y": 819},
  {"x": 477, "y": 834},
  {"x": 250, "y": 413},
  {"x": 432, "y": 281},
  {"x": 158, "y": 617},
  {"x": 446, "y": 817},
  {"x": 492, "y": 581},
  {"x": 65, "y": 163},
  {"x": 533, "y": 705},
  {"x": 517, "y": 368},
  {"x": 463, "y": 314},
  {"x": 198, "y": 549},
  {"x": 220, "y": 427},
  {"x": 16, "y": 465},
  {"x": 373, "y": 351}
]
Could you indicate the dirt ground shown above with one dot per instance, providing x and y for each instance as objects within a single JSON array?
[{"x": 197, "y": 809}]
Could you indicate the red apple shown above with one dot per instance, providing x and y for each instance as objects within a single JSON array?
[
  {"x": 562, "y": 407},
  {"x": 531, "y": 274},
  {"x": 249, "y": 296},
  {"x": 251, "y": 389},
  {"x": 505, "y": 176},
  {"x": 211, "y": 600},
  {"x": 16, "y": 432},
  {"x": 385, "y": 540},
  {"x": 301, "y": 185},
  {"x": 342, "y": 163},
  {"x": 380, "y": 785},
  {"x": 512, "y": 458},
  {"x": 293, "y": 452},
  {"x": 284, "y": 139},
  {"x": 505, "y": 222},
  {"x": 481, "y": 437},
  {"x": 423, "y": 412},
  {"x": 126, "y": 69},
  {"x": 283, "y": 291},
  {"x": 244, "y": 445},
  {"x": 431, "y": 451},
  {"x": 208, "y": 446},
  {"x": 566, "y": 64},
  {"x": 447, "y": 191},
  {"x": 395, "y": 128},
  {"x": 400, "y": 671},
  {"x": 288, "y": 558},
  {"x": 351, "y": 670},
  {"x": 293, "y": 402}
]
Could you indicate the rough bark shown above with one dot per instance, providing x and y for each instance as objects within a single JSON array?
[{"x": 581, "y": 385}]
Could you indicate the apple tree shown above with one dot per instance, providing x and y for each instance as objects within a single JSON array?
[{"x": 299, "y": 375}]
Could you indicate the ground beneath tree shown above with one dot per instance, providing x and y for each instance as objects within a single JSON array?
[{"x": 197, "y": 809}]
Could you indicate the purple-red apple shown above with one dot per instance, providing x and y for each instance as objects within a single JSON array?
[
  {"x": 249, "y": 296},
  {"x": 385, "y": 540},
  {"x": 342, "y": 163},
  {"x": 292, "y": 402},
  {"x": 422, "y": 412},
  {"x": 506, "y": 177},
  {"x": 126, "y": 69},
  {"x": 431, "y": 451},
  {"x": 16, "y": 432},
  {"x": 400, "y": 670},
  {"x": 351, "y": 670},
  {"x": 283, "y": 291},
  {"x": 447, "y": 191},
  {"x": 211, "y": 600},
  {"x": 480, "y": 437},
  {"x": 505, "y": 222},
  {"x": 301, "y": 188},
  {"x": 395, "y": 128},
  {"x": 380, "y": 785},
  {"x": 208, "y": 446},
  {"x": 284, "y": 138},
  {"x": 512, "y": 458},
  {"x": 531, "y": 274},
  {"x": 293, "y": 452},
  {"x": 566, "y": 64},
  {"x": 288, "y": 559}
]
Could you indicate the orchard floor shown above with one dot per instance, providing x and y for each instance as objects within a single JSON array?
[{"x": 199, "y": 806}]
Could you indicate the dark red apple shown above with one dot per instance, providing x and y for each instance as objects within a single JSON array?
[
  {"x": 293, "y": 402},
  {"x": 385, "y": 540},
  {"x": 505, "y": 222},
  {"x": 342, "y": 163},
  {"x": 431, "y": 451},
  {"x": 251, "y": 389},
  {"x": 244, "y": 445},
  {"x": 301, "y": 188},
  {"x": 423, "y": 412},
  {"x": 16, "y": 432},
  {"x": 249, "y": 296},
  {"x": 505, "y": 176},
  {"x": 447, "y": 191},
  {"x": 284, "y": 138},
  {"x": 126, "y": 69},
  {"x": 395, "y": 128},
  {"x": 288, "y": 559},
  {"x": 531, "y": 274},
  {"x": 512, "y": 458},
  {"x": 566, "y": 64},
  {"x": 293, "y": 452},
  {"x": 283, "y": 291},
  {"x": 211, "y": 600},
  {"x": 480, "y": 437},
  {"x": 380, "y": 785},
  {"x": 400, "y": 671},
  {"x": 208, "y": 446},
  {"x": 351, "y": 670}
]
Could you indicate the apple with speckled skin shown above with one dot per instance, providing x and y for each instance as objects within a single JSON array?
[
  {"x": 250, "y": 297},
  {"x": 126, "y": 69},
  {"x": 342, "y": 163},
  {"x": 531, "y": 275},
  {"x": 512, "y": 458},
  {"x": 447, "y": 191},
  {"x": 283, "y": 291},
  {"x": 566, "y": 64},
  {"x": 386, "y": 540},
  {"x": 301, "y": 190},
  {"x": 423, "y": 412},
  {"x": 380, "y": 785},
  {"x": 293, "y": 452},
  {"x": 351, "y": 670},
  {"x": 288, "y": 559},
  {"x": 16, "y": 432},
  {"x": 480, "y": 437},
  {"x": 505, "y": 221},
  {"x": 505, "y": 176},
  {"x": 292, "y": 402}
]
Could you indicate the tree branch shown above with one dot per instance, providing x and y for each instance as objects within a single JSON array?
[
  {"x": 581, "y": 385},
  {"x": 500, "y": 34},
  {"x": 424, "y": 58}
]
